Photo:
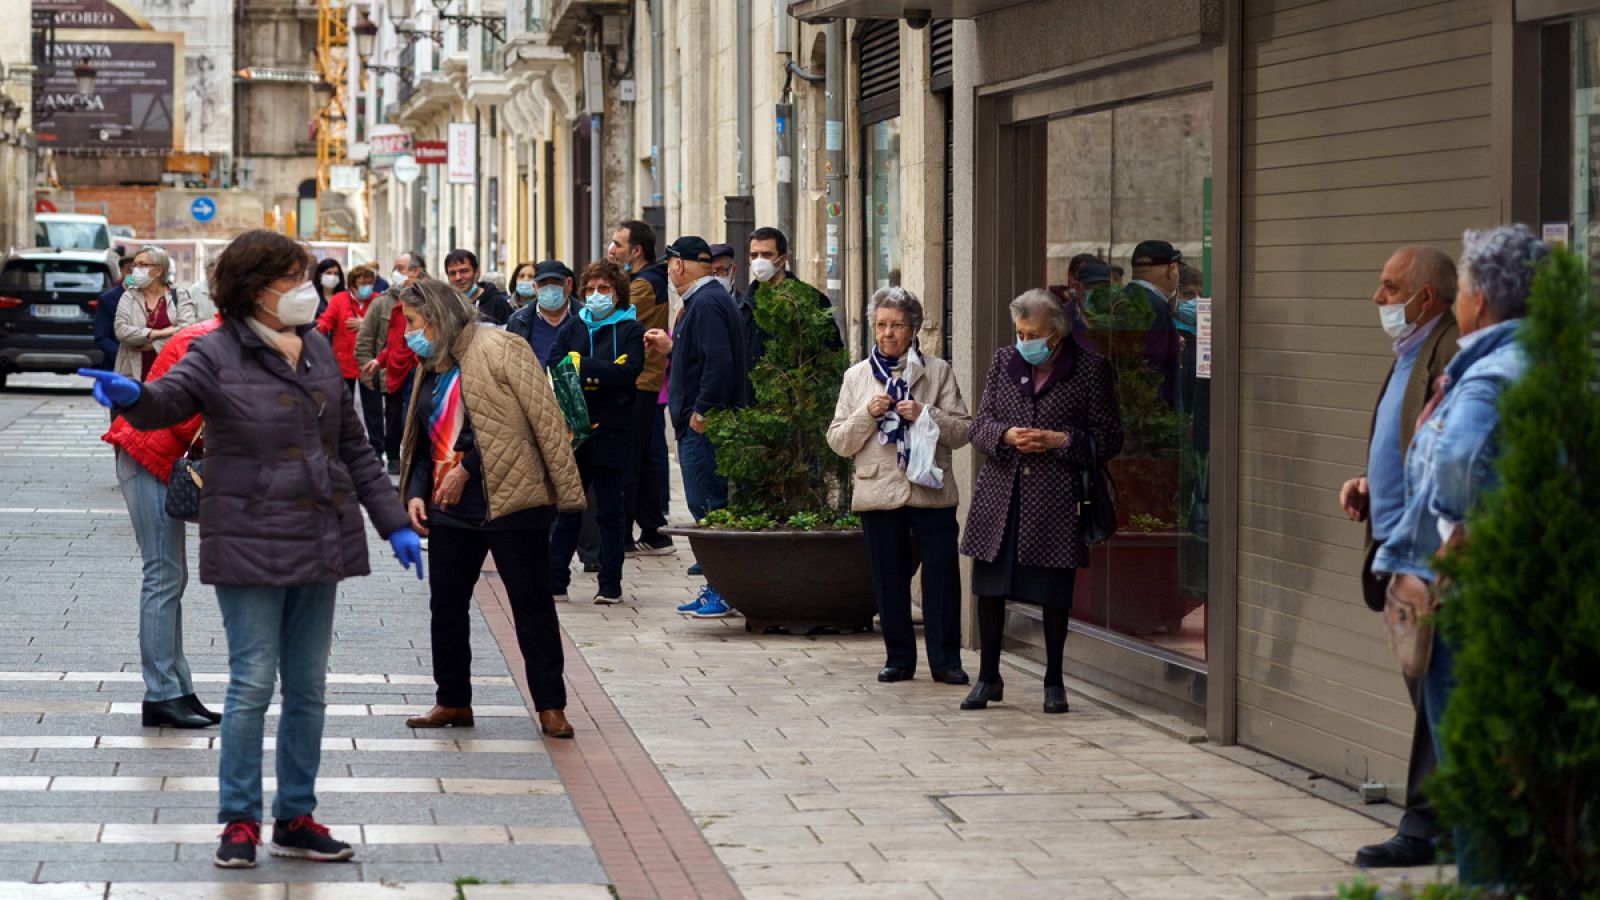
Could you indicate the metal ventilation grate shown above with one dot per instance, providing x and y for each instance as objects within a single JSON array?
[
  {"x": 880, "y": 59},
  {"x": 941, "y": 51}
]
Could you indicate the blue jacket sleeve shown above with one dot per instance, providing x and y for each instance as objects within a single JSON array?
[
  {"x": 105, "y": 325},
  {"x": 719, "y": 383},
  {"x": 1464, "y": 455}
]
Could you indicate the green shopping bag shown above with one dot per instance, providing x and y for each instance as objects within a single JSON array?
[{"x": 569, "y": 396}]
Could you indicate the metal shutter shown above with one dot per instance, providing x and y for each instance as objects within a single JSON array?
[
  {"x": 941, "y": 52},
  {"x": 878, "y": 84}
]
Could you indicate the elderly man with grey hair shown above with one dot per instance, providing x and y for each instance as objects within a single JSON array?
[
  {"x": 1049, "y": 413},
  {"x": 880, "y": 403},
  {"x": 150, "y": 311},
  {"x": 1414, "y": 294},
  {"x": 1451, "y": 461}
]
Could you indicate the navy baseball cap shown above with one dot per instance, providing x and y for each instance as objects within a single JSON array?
[
  {"x": 1155, "y": 253},
  {"x": 720, "y": 251},
  {"x": 551, "y": 270},
  {"x": 691, "y": 248}
]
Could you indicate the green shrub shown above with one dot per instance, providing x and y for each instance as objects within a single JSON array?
[
  {"x": 775, "y": 452},
  {"x": 1521, "y": 735}
]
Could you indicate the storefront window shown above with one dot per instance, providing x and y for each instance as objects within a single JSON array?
[
  {"x": 1585, "y": 235},
  {"x": 1117, "y": 178},
  {"x": 882, "y": 210}
]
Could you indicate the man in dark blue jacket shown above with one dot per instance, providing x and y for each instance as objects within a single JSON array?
[
  {"x": 708, "y": 373},
  {"x": 1155, "y": 272},
  {"x": 105, "y": 315}
]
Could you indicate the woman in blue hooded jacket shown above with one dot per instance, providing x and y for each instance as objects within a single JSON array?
[
  {"x": 607, "y": 344},
  {"x": 1451, "y": 461}
]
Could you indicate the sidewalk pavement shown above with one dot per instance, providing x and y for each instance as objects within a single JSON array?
[{"x": 708, "y": 762}]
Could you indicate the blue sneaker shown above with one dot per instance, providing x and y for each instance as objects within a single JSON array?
[
  {"x": 694, "y": 606},
  {"x": 695, "y": 570},
  {"x": 714, "y": 607}
]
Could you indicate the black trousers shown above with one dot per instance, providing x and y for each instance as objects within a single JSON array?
[
  {"x": 640, "y": 480},
  {"x": 455, "y": 557},
  {"x": 372, "y": 416},
  {"x": 890, "y": 536},
  {"x": 1418, "y": 821},
  {"x": 394, "y": 419}
]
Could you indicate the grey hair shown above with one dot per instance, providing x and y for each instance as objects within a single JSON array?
[
  {"x": 160, "y": 257},
  {"x": 453, "y": 319},
  {"x": 899, "y": 299},
  {"x": 1431, "y": 268},
  {"x": 1500, "y": 263},
  {"x": 1039, "y": 302}
]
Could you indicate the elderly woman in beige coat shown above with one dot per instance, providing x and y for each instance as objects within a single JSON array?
[
  {"x": 149, "y": 312},
  {"x": 883, "y": 398}
]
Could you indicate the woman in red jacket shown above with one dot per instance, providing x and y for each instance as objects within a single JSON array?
[
  {"x": 144, "y": 463},
  {"x": 340, "y": 322}
]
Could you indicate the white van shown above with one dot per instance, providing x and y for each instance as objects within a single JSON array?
[{"x": 71, "y": 231}]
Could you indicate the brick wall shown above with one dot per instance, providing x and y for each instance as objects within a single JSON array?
[{"x": 133, "y": 205}]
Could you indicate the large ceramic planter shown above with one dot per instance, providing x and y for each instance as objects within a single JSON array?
[{"x": 799, "y": 580}]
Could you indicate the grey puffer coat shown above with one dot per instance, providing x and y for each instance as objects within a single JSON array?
[{"x": 286, "y": 460}]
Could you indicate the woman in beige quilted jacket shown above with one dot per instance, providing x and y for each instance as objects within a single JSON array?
[
  {"x": 485, "y": 463},
  {"x": 881, "y": 402}
]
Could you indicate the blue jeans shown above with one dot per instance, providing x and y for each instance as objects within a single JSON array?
[
  {"x": 1437, "y": 685},
  {"x": 605, "y": 486},
  {"x": 703, "y": 488},
  {"x": 160, "y": 539},
  {"x": 658, "y": 456},
  {"x": 272, "y": 630}
]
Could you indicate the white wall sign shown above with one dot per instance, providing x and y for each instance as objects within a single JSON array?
[
  {"x": 344, "y": 178},
  {"x": 406, "y": 168},
  {"x": 461, "y": 165},
  {"x": 1202, "y": 335},
  {"x": 388, "y": 143}
]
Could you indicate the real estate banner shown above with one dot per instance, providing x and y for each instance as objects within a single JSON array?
[{"x": 138, "y": 75}]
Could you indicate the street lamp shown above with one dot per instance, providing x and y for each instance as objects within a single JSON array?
[
  {"x": 366, "y": 31},
  {"x": 495, "y": 25},
  {"x": 85, "y": 74}
]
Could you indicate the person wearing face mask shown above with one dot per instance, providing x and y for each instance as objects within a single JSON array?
[
  {"x": 329, "y": 280},
  {"x": 607, "y": 343},
  {"x": 1049, "y": 410},
  {"x": 287, "y": 473},
  {"x": 461, "y": 267},
  {"x": 1155, "y": 272},
  {"x": 769, "y": 265},
  {"x": 149, "y": 312},
  {"x": 708, "y": 374},
  {"x": 340, "y": 323},
  {"x": 488, "y": 462},
  {"x": 547, "y": 291},
  {"x": 382, "y": 337},
  {"x": 645, "y": 480},
  {"x": 1415, "y": 291}
]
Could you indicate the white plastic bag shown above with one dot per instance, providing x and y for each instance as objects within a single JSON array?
[{"x": 923, "y": 441}]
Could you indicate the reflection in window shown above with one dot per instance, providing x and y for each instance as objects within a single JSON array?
[{"x": 882, "y": 208}]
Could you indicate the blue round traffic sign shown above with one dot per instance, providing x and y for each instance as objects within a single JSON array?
[{"x": 204, "y": 209}]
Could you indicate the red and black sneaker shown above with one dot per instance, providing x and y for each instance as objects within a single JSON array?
[
  {"x": 238, "y": 847},
  {"x": 302, "y": 838}
]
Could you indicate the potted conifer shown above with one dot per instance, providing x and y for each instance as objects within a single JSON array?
[{"x": 787, "y": 551}]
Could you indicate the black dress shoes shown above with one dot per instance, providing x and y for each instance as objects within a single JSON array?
[
  {"x": 982, "y": 693},
  {"x": 174, "y": 713},
  {"x": 1400, "y": 851},
  {"x": 889, "y": 674},
  {"x": 199, "y": 709},
  {"x": 1055, "y": 699},
  {"x": 951, "y": 676}
]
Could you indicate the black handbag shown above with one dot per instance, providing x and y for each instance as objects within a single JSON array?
[
  {"x": 183, "y": 487},
  {"x": 1097, "y": 500}
]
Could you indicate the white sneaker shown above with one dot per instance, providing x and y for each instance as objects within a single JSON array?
[
  {"x": 561, "y": 598},
  {"x": 602, "y": 600}
]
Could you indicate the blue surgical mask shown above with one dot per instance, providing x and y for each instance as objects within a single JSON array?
[
  {"x": 1035, "y": 351},
  {"x": 599, "y": 306},
  {"x": 364, "y": 292},
  {"x": 419, "y": 345},
  {"x": 552, "y": 297},
  {"x": 526, "y": 289}
]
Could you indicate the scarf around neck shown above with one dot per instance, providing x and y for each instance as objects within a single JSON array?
[{"x": 891, "y": 427}]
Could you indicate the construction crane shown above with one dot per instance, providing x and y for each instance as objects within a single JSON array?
[{"x": 333, "y": 59}]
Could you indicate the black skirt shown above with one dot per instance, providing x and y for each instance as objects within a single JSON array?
[{"x": 1045, "y": 586}]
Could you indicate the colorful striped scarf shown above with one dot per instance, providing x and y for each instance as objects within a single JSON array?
[{"x": 445, "y": 423}]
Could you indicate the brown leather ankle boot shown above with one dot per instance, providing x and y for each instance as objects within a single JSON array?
[
  {"x": 553, "y": 722},
  {"x": 443, "y": 716}
]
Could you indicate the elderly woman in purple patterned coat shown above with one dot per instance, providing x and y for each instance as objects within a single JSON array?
[{"x": 1049, "y": 409}]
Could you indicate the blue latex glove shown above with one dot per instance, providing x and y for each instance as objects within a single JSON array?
[
  {"x": 112, "y": 390},
  {"x": 408, "y": 549}
]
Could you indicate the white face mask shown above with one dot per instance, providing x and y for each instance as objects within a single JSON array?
[
  {"x": 397, "y": 278},
  {"x": 726, "y": 281},
  {"x": 140, "y": 276},
  {"x": 298, "y": 305},
  {"x": 330, "y": 281},
  {"x": 1393, "y": 318},
  {"x": 763, "y": 270}
]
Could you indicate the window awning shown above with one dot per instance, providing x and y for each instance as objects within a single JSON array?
[{"x": 912, "y": 10}]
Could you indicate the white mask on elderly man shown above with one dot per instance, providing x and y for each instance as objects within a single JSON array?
[{"x": 1393, "y": 318}]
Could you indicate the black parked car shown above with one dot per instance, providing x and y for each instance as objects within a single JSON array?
[{"x": 47, "y": 303}]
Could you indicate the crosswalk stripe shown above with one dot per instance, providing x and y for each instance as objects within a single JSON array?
[
  {"x": 177, "y": 742},
  {"x": 37, "y": 708},
  {"x": 123, "y": 833},
  {"x": 222, "y": 677},
  {"x": 331, "y": 785},
  {"x": 347, "y": 890}
]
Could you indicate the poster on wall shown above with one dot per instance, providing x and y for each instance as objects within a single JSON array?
[
  {"x": 137, "y": 80},
  {"x": 462, "y": 164}
]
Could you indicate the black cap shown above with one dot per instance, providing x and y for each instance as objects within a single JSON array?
[
  {"x": 1155, "y": 253},
  {"x": 551, "y": 269},
  {"x": 691, "y": 248},
  {"x": 718, "y": 251},
  {"x": 1094, "y": 273}
]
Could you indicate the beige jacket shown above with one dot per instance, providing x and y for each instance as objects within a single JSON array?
[
  {"x": 521, "y": 434},
  {"x": 879, "y": 482},
  {"x": 133, "y": 330}
]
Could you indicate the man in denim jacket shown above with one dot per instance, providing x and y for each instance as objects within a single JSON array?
[{"x": 1414, "y": 294}]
